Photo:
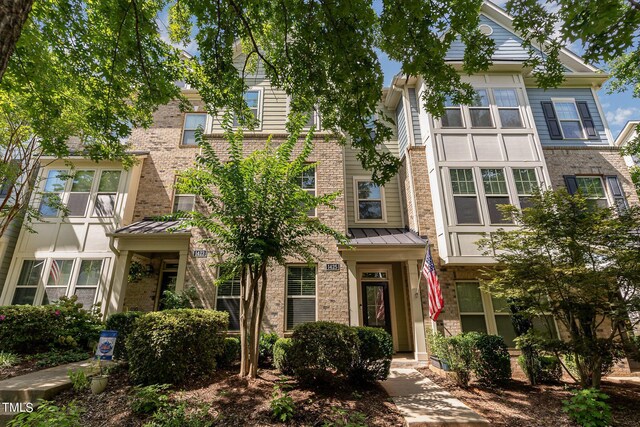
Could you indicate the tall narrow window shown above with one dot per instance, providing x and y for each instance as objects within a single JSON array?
[
  {"x": 480, "y": 110},
  {"x": 228, "y": 299},
  {"x": 28, "y": 281},
  {"x": 526, "y": 185},
  {"x": 107, "y": 191},
  {"x": 301, "y": 295},
  {"x": 508, "y": 108},
  {"x": 502, "y": 316},
  {"x": 252, "y": 99},
  {"x": 569, "y": 118},
  {"x": 370, "y": 203},
  {"x": 88, "y": 281},
  {"x": 192, "y": 121},
  {"x": 471, "y": 307},
  {"x": 80, "y": 192},
  {"x": 592, "y": 189},
  {"x": 53, "y": 189},
  {"x": 495, "y": 189},
  {"x": 452, "y": 117},
  {"x": 308, "y": 183},
  {"x": 58, "y": 280},
  {"x": 464, "y": 196}
]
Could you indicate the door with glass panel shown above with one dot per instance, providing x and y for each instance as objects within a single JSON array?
[{"x": 375, "y": 303}]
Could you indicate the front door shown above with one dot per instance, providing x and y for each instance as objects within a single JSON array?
[{"x": 375, "y": 298}]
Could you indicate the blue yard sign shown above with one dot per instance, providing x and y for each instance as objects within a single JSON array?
[{"x": 106, "y": 344}]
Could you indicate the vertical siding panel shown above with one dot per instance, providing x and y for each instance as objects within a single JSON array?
[{"x": 415, "y": 118}]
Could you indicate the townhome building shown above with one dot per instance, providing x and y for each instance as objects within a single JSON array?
[{"x": 456, "y": 171}]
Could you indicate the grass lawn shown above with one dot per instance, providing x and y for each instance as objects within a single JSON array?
[
  {"x": 236, "y": 402},
  {"x": 522, "y": 405}
]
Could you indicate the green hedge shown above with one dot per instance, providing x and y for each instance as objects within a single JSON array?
[
  {"x": 492, "y": 364},
  {"x": 375, "y": 350},
  {"x": 230, "y": 352},
  {"x": 281, "y": 350},
  {"x": 123, "y": 323},
  {"x": 541, "y": 368},
  {"x": 320, "y": 347},
  {"x": 173, "y": 345},
  {"x": 26, "y": 329}
]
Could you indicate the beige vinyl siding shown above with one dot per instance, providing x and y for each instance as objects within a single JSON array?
[
  {"x": 274, "y": 102},
  {"x": 391, "y": 189}
]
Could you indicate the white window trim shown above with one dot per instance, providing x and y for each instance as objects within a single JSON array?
[
  {"x": 571, "y": 101},
  {"x": 607, "y": 194},
  {"x": 356, "y": 200},
  {"x": 231, "y": 331},
  {"x": 465, "y": 121},
  {"x": 286, "y": 293},
  {"x": 94, "y": 194},
  {"x": 511, "y": 183},
  {"x": 485, "y": 204},
  {"x": 489, "y": 108},
  {"x": 451, "y": 204},
  {"x": 260, "y": 91},
  {"x": 184, "y": 121},
  {"x": 519, "y": 107},
  {"x": 315, "y": 189}
]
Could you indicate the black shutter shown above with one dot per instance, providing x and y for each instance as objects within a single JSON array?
[
  {"x": 571, "y": 183},
  {"x": 587, "y": 120},
  {"x": 617, "y": 192},
  {"x": 552, "y": 120}
]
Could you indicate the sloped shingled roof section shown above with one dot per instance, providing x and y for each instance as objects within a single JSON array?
[
  {"x": 384, "y": 236},
  {"x": 151, "y": 226}
]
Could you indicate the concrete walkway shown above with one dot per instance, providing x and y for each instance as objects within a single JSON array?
[
  {"x": 30, "y": 387},
  {"x": 424, "y": 403}
]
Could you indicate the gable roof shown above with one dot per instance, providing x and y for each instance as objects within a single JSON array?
[{"x": 627, "y": 133}]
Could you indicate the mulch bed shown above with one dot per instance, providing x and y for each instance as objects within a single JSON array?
[
  {"x": 522, "y": 405},
  {"x": 234, "y": 401},
  {"x": 24, "y": 367}
]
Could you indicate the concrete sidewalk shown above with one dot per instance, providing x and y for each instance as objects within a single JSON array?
[
  {"x": 424, "y": 403},
  {"x": 30, "y": 387}
]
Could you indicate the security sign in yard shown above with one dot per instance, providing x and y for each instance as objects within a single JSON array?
[{"x": 106, "y": 344}]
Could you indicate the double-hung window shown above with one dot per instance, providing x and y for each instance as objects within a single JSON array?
[
  {"x": 53, "y": 190},
  {"x": 495, "y": 189},
  {"x": 80, "y": 193},
  {"x": 480, "y": 110},
  {"x": 526, "y": 185},
  {"x": 508, "y": 108},
  {"x": 192, "y": 122},
  {"x": 253, "y": 100},
  {"x": 88, "y": 281},
  {"x": 307, "y": 181},
  {"x": 452, "y": 117},
  {"x": 569, "y": 119},
  {"x": 464, "y": 196},
  {"x": 301, "y": 295},
  {"x": 370, "y": 201},
  {"x": 28, "y": 281},
  {"x": 106, "y": 195},
  {"x": 471, "y": 307},
  {"x": 228, "y": 299},
  {"x": 592, "y": 189},
  {"x": 58, "y": 280}
]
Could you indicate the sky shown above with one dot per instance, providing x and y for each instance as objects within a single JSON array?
[{"x": 618, "y": 107}]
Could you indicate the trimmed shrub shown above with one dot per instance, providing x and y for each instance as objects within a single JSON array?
[
  {"x": 320, "y": 347},
  {"x": 492, "y": 364},
  {"x": 123, "y": 323},
  {"x": 588, "y": 408},
  {"x": 26, "y": 329},
  {"x": 375, "y": 350},
  {"x": 173, "y": 345},
  {"x": 230, "y": 352},
  {"x": 281, "y": 350},
  {"x": 546, "y": 369},
  {"x": 266, "y": 344}
]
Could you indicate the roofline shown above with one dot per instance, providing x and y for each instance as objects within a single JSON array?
[
  {"x": 629, "y": 127},
  {"x": 164, "y": 234}
]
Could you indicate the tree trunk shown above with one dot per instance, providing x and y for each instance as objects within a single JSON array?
[
  {"x": 259, "y": 307},
  {"x": 13, "y": 15},
  {"x": 244, "y": 305}
]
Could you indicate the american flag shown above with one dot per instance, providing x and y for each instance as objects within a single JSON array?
[
  {"x": 55, "y": 273},
  {"x": 436, "y": 303}
]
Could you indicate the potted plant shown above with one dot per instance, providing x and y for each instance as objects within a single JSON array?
[{"x": 100, "y": 380}]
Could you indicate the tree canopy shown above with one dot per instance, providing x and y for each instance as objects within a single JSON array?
[
  {"x": 256, "y": 213},
  {"x": 108, "y": 57},
  {"x": 579, "y": 263}
]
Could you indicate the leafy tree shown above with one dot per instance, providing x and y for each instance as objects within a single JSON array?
[
  {"x": 579, "y": 263},
  {"x": 257, "y": 215}
]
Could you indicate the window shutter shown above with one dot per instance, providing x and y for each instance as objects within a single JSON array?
[
  {"x": 552, "y": 121},
  {"x": 571, "y": 183},
  {"x": 587, "y": 120},
  {"x": 617, "y": 192}
]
